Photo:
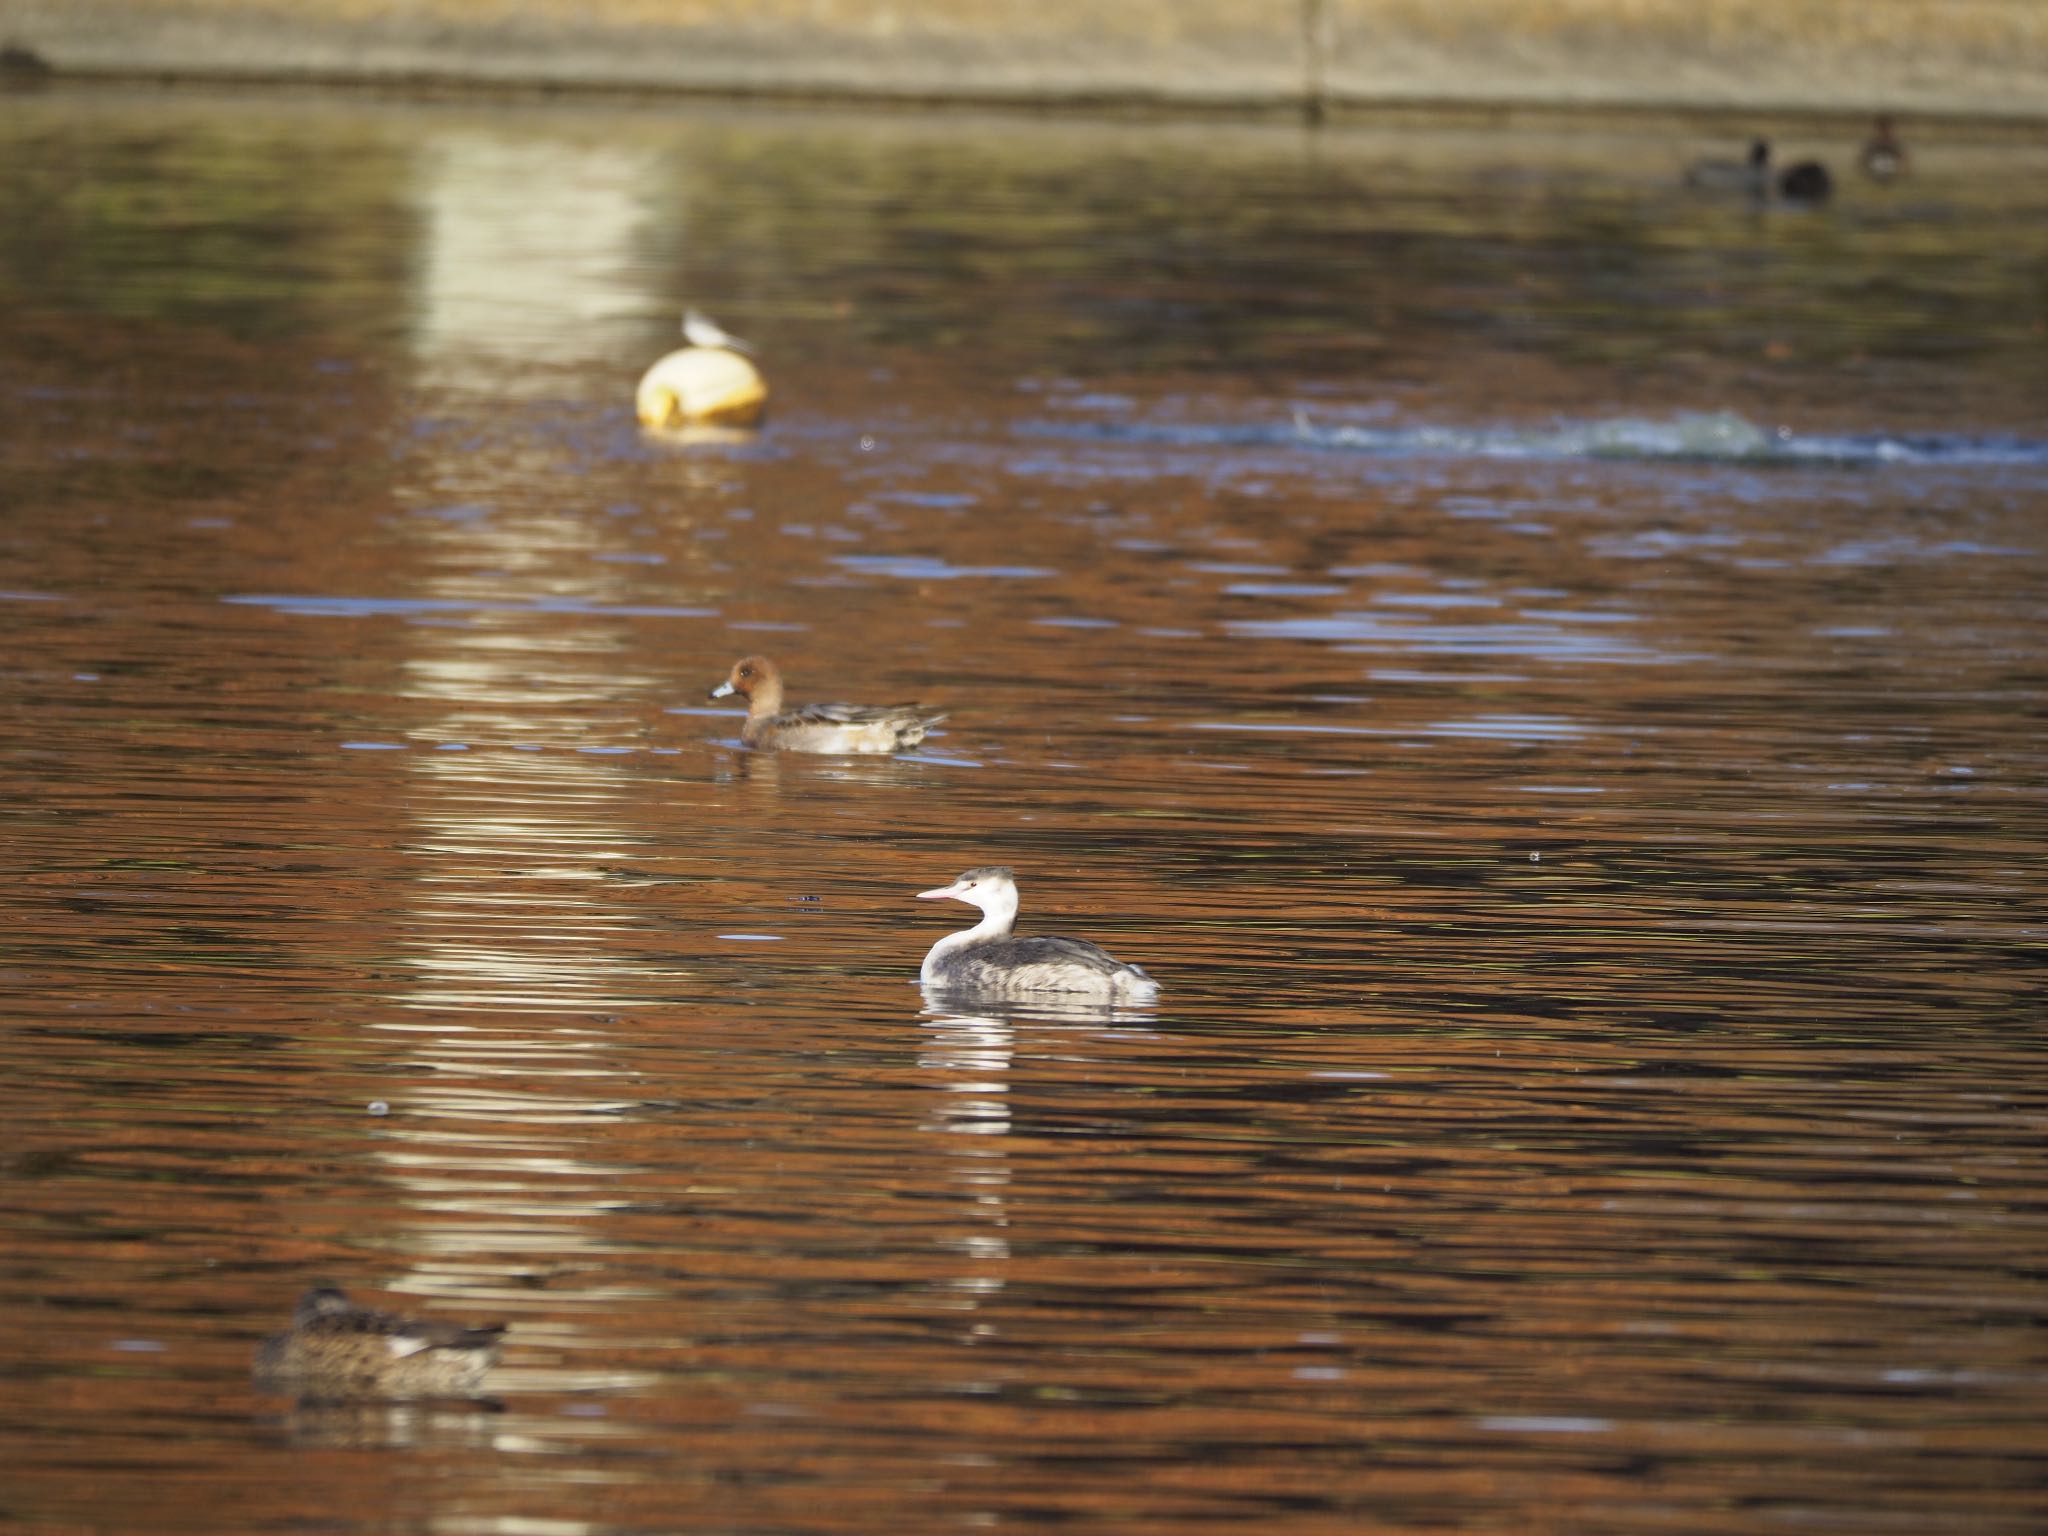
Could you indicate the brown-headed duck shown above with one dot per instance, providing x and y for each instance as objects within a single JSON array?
[
  {"x": 1884, "y": 157},
  {"x": 819, "y": 727},
  {"x": 989, "y": 960},
  {"x": 336, "y": 1348}
]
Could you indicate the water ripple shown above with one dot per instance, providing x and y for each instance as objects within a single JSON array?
[{"x": 1687, "y": 437}]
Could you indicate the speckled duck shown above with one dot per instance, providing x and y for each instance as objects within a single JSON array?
[{"x": 337, "y": 1348}]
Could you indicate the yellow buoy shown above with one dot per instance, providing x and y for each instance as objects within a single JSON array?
[{"x": 701, "y": 384}]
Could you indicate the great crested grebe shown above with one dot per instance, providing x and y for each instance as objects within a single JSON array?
[{"x": 989, "y": 959}]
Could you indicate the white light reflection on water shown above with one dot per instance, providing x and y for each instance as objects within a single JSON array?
[
  {"x": 970, "y": 1058},
  {"x": 516, "y": 956},
  {"x": 509, "y": 288}
]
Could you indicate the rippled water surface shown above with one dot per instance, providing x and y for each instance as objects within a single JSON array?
[{"x": 1546, "y": 668}]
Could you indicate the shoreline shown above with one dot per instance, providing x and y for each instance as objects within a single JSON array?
[
  {"x": 1965, "y": 61},
  {"x": 1987, "y": 124}
]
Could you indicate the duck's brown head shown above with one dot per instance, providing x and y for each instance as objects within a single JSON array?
[{"x": 755, "y": 679}]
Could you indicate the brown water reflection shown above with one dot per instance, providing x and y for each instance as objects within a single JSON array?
[{"x": 1597, "y": 1086}]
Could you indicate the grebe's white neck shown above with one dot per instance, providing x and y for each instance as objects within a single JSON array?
[{"x": 995, "y": 892}]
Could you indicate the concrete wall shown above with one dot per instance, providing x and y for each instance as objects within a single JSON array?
[{"x": 1950, "y": 56}]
